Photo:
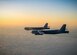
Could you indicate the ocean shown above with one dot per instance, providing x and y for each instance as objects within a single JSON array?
[{"x": 17, "y": 41}]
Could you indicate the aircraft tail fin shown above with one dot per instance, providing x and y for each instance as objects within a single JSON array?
[
  {"x": 46, "y": 25},
  {"x": 63, "y": 28}
]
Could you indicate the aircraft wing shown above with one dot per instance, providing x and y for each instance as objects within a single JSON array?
[{"x": 39, "y": 32}]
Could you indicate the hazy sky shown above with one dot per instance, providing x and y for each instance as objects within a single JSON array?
[{"x": 37, "y": 12}]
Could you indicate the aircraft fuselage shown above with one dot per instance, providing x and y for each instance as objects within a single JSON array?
[
  {"x": 54, "y": 32},
  {"x": 50, "y": 31},
  {"x": 33, "y": 28}
]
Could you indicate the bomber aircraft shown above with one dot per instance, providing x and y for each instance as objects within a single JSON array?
[
  {"x": 49, "y": 31},
  {"x": 37, "y": 28}
]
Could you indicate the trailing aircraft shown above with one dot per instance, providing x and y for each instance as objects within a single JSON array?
[
  {"x": 49, "y": 31},
  {"x": 37, "y": 28}
]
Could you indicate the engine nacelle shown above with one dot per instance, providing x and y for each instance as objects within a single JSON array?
[{"x": 37, "y": 32}]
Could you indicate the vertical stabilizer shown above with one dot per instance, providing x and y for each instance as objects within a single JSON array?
[
  {"x": 46, "y": 25},
  {"x": 63, "y": 28}
]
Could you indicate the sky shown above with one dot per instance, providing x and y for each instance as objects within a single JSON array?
[{"x": 38, "y": 12}]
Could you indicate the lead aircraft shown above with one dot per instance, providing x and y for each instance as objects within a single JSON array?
[{"x": 37, "y": 28}]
